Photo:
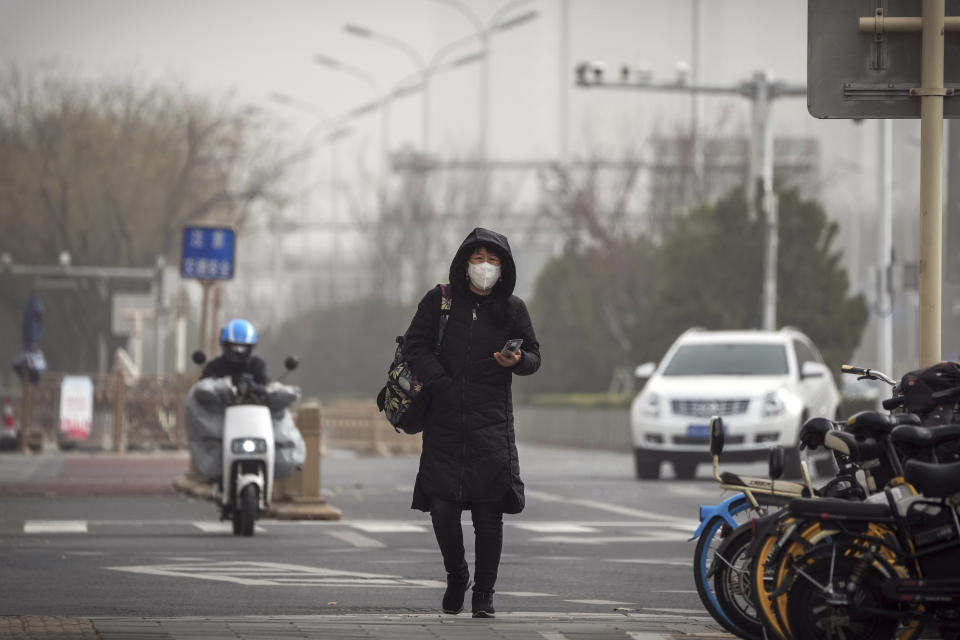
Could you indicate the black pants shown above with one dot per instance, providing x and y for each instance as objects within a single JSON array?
[{"x": 488, "y": 530}]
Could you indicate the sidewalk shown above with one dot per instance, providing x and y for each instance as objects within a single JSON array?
[
  {"x": 90, "y": 473},
  {"x": 508, "y": 626}
]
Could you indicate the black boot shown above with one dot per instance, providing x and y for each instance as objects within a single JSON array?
[
  {"x": 457, "y": 584},
  {"x": 483, "y": 604}
]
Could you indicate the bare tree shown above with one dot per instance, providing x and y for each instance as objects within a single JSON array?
[{"x": 109, "y": 170}]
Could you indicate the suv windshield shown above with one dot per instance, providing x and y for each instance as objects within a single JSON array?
[{"x": 728, "y": 359}]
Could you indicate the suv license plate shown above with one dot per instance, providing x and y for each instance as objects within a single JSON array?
[{"x": 700, "y": 431}]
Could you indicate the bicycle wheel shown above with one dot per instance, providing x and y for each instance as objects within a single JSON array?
[
  {"x": 833, "y": 597},
  {"x": 766, "y": 551},
  {"x": 731, "y": 581},
  {"x": 713, "y": 534},
  {"x": 877, "y": 563}
]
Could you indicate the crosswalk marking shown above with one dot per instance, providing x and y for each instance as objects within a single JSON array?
[
  {"x": 278, "y": 574},
  {"x": 357, "y": 539},
  {"x": 554, "y": 527},
  {"x": 55, "y": 526},
  {"x": 652, "y": 536},
  {"x": 355, "y": 533},
  {"x": 678, "y": 563},
  {"x": 220, "y": 527},
  {"x": 388, "y": 527},
  {"x": 604, "y": 506}
]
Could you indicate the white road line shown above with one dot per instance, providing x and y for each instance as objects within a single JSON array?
[
  {"x": 524, "y": 594},
  {"x": 385, "y": 526},
  {"x": 554, "y": 527},
  {"x": 357, "y": 539},
  {"x": 604, "y": 506},
  {"x": 678, "y": 563},
  {"x": 646, "y": 537},
  {"x": 604, "y": 602},
  {"x": 552, "y": 635},
  {"x": 55, "y": 526},
  {"x": 278, "y": 574},
  {"x": 220, "y": 527},
  {"x": 681, "y": 611}
]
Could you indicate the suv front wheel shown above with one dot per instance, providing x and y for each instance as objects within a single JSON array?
[
  {"x": 685, "y": 468},
  {"x": 646, "y": 464}
]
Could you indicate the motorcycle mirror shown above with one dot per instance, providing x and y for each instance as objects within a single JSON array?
[
  {"x": 198, "y": 357},
  {"x": 716, "y": 435},
  {"x": 291, "y": 363},
  {"x": 778, "y": 457}
]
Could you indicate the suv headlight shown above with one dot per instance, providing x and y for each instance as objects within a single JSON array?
[
  {"x": 248, "y": 445},
  {"x": 650, "y": 405},
  {"x": 775, "y": 403}
]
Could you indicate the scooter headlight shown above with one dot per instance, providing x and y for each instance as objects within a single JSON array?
[{"x": 248, "y": 445}]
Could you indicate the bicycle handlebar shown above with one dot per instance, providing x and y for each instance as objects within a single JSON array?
[{"x": 867, "y": 374}]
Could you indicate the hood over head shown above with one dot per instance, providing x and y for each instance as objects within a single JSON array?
[{"x": 497, "y": 242}]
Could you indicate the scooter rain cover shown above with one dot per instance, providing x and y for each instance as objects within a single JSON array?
[{"x": 204, "y": 409}]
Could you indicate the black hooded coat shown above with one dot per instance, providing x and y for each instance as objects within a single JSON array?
[{"x": 469, "y": 446}]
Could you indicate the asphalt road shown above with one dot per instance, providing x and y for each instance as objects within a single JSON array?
[{"x": 592, "y": 541}]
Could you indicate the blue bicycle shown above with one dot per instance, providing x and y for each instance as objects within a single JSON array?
[{"x": 724, "y": 536}]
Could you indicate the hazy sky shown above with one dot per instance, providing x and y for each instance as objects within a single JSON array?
[
  {"x": 255, "y": 47},
  {"x": 258, "y": 47}
]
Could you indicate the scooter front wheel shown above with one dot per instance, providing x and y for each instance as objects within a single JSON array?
[{"x": 246, "y": 512}]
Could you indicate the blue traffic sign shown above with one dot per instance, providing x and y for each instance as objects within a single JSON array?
[{"x": 207, "y": 253}]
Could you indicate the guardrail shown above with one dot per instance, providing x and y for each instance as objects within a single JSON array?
[{"x": 362, "y": 428}]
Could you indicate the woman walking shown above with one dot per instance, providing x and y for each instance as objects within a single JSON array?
[{"x": 469, "y": 459}]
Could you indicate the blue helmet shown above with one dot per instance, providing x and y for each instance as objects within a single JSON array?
[{"x": 237, "y": 339}]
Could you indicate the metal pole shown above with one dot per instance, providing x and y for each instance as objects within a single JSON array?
[
  {"x": 213, "y": 338},
  {"x": 26, "y": 412},
  {"x": 761, "y": 171},
  {"x": 696, "y": 140},
  {"x": 158, "y": 319},
  {"x": 884, "y": 299},
  {"x": 931, "y": 156},
  {"x": 204, "y": 305},
  {"x": 564, "y": 97}
]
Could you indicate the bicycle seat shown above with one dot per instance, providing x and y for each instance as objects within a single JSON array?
[
  {"x": 876, "y": 425},
  {"x": 849, "y": 445},
  {"x": 931, "y": 479},
  {"x": 830, "y": 507},
  {"x": 925, "y": 436},
  {"x": 813, "y": 430}
]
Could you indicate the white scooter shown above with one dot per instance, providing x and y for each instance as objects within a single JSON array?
[{"x": 248, "y": 450}]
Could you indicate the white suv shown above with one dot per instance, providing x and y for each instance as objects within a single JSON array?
[{"x": 764, "y": 384}]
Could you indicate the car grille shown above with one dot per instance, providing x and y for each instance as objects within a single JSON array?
[{"x": 706, "y": 408}]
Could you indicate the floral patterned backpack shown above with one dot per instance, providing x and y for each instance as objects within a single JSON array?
[{"x": 401, "y": 399}]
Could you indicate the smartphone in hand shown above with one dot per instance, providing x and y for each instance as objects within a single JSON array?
[{"x": 511, "y": 345}]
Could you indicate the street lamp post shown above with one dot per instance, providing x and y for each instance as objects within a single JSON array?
[
  {"x": 418, "y": 61},
  {"x": 382, "y": 102},
  {"x": 483, "y": 33},
  {"x": 761, "y": 92},
  {"x": 335, "y": 133}
]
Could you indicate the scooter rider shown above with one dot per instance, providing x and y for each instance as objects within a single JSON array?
[{"x": 237, "y": 341}]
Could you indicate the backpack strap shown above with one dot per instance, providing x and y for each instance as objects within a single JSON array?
[{"x": 446, "y": 303}]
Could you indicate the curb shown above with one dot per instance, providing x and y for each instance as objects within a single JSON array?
[{"x": 290, "y": 509}]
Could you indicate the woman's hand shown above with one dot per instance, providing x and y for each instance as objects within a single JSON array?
[{"x": 509, "y": 360}]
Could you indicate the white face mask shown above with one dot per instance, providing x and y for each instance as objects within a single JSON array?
[{"x": 483, "y": 275}]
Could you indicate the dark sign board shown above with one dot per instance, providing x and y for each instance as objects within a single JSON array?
[{"x": 869, "y": 75}]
